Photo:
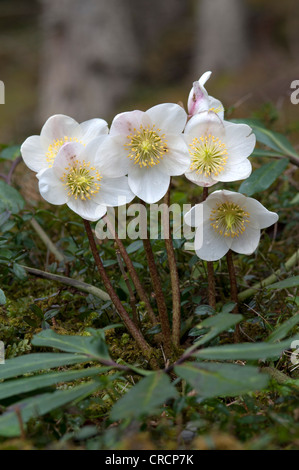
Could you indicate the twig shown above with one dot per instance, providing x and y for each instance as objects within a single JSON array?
[
  {"x": 210, "y": 267},
  {"x": 132, "y": 328},
  {"x": 156, "y": 281},
  {"x": 290, "y": 263},
  {"x": 132, "y": 271},
  {"x": 233, "y": 289},
  {"x": 131, "y": 293},
  {"x": 81, "y": 286},
  {"x": 174, "y": 276},
  {"x": 46, "y": 240}
]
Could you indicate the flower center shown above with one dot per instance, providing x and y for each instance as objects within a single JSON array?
[
  {"x": 147, "y": 146},
  {"x": 229, "y": 219},
  {"x": 81, "y": 180},
  {"x": 54, "y": 148},
  {"x": 208, "y": 155}
]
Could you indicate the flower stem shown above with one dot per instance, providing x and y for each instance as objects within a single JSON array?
[
  {"x": 129, "y": 287},
  {"x": 132, "y": 271},
  {"x": 174, "y": 276},
  {"x": 156, "y": 281},
  {"x": 233, "y": 289},
  {"x": 210, "y": 268},
  {"x": 132, "y": 328}
]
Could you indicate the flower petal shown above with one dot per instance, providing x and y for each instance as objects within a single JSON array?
[
  {"x": 204, "y": 78},
  {"x": 125, "y": 123},
  {"x": 67, "y": 156},
  {"x": 177, "y": 160},
  {"x": 216, "y": 106},
  {"x": 51, "y": 188},
  {"x": 87, "y": 209},
  {"x": 33, "y": 154},
  {"x": 200, "y": 179},
  {"x": 169, "y": 117},
  {"x": 240, "y": 140},
  {"x": 259, "y": 215},
  {"x": 149, "y": 184},
  {"x": 247, "y": 242},
  {"x": 198, "y": 99},
  {"x": 112, "y": 157},
  {"x": 235, "y": 171},
  {"x": 205, "y": 123},
  {"x": 213, "y": 247},
  {"x": 93, "y": 128},
  {"x": 114, "y": 192},
  {"x": 58, "y": 127}
]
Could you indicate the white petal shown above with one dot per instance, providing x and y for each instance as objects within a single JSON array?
[
  {"x": 235, "y": 171},
  {"x": 112, "y": 157},
  {"x": 92, "y": 149},
  {"x": 200, "y": 179},
  {"x": 198, "y": 215},
  {"x": 259, "y": 215},
  {"x": 214, "y": 245},
  {"x": 33, "y": 154},
  {"x": 93, "y": 128},
  {"x": 240, "y": 140},
  {"x": 216, "y": 106},
  {"x": 51, "y": 188},
  {"x": 169, "y": 117},
  {"x": 246, "y": 243},
  {"x": 87, "y": 209},
  {"x": 177, "y": 160},
  {"x": 125, "y": 123},
  {"x": 204, "y": 78},
  {"x": 114, "y": 192},
  {"x": 198, "y": 99},
  {"x": 205, "y": 123},
  {"x": 149, "y": 184},
  {"x": 67, "y": 156},
  {"x": 58, "y": 127}
]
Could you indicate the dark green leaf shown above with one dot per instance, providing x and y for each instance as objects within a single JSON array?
[
  {"x": 286, "y": 283},
  {"x": 10, "y": 199},
  {"x": 262, "y": 178}
]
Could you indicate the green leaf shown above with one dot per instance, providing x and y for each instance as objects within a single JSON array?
[
  {"x": 243, "y": 351},
  {"x": 217, "y": 324},
  {"x": 28, "y": 384},
  {"x": 281, "y": 331},
  {"x": 262, "y": 178},
  {"x": 93, "y": 346},
  {"x": 145, "y": 397},
  {"x": 10, "y": 199},
  {"x": 37, "y": 361},
  {"x": 40, "y": 405},
  {"x": 219, "y": 380},
  {"x": 2, "y": 298},
  {"x": 286, "y": 283},
  {"x": 271, "y": 139},
  {"x": 19, "y": 271},
  {"x": 10, "y": 153}
]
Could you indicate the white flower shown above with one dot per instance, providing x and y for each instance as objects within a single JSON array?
[
  {"x": 78, "y": 178},
  {"x": 39, "y": 151},
  {"x": 199, "y": 100},
  {"x": 219, "y": 149},
  {"x": 149, "y": 147},
  {"x": 229, "y": 221}
]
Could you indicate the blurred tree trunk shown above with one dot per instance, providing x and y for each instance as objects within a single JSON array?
[
  {"x": 221, "y": 35},
  {"x": 89, "y": 57}
]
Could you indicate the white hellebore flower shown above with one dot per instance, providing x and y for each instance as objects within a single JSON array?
[
  {"x": 199, "y": 99},
  {"x": 219, "y": 149},
  {"x": 78, "y": 178},
  {"x": 149, "y": 147},
  {"x": 39, "y": 151},
  {"x": 228, "y": 220}
]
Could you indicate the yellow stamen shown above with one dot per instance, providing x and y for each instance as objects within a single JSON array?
[
  {"x": 208, "y": 155},
  {"x": 147, "y": 146},
  {"x": 54, "y": 148},
  {"x": 81, "y": 180},
  {"x": 229, "y": 219}
]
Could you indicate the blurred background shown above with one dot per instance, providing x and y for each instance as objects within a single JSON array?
[{"x": 95, "y": 58}]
